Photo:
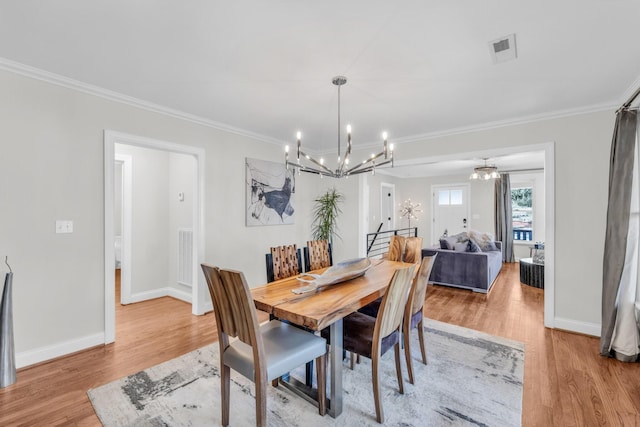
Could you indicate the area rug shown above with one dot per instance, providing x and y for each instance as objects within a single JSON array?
[{"x": 472, "y": 379}]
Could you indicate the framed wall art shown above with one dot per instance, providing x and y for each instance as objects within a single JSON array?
[{"x": 270, "y": 190}]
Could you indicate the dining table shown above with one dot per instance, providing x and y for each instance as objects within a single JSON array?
[{"x": 326, "y": 308}]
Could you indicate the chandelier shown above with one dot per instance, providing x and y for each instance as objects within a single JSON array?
[
  {"x": 485, "y": 172},
  {"x": 305, "y": 163}
]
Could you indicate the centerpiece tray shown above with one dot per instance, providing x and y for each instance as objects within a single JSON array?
[{"x": 338, "y": 273}]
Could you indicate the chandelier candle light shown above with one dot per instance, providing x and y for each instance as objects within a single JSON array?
[
  {"x": 342, "y": 169},
  {"x": 485, "y": 172}
]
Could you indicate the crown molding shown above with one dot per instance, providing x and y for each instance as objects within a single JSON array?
[
  {"x": 56, "y": 79},
  {"x": 69, "y": 83},
  {"x": 509, "y": 122}
]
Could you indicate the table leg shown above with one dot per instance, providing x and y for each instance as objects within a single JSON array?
[{"x": 335, "y": 405}]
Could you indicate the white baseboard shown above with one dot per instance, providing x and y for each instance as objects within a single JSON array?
[
  {"x": 159, "y": 293},
  {"x": 144, "y": 296},
  {"x": 178, "y": 294},
  {"x": 42, "y": 354},
  {"x": 576, "y": 326}
]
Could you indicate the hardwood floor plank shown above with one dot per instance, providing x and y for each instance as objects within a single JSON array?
[{"x": 566, "y": 382}]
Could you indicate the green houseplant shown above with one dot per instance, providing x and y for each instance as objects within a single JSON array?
[{"x": 325, "y": 215}]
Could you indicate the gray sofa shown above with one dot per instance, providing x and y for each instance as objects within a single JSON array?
[{"x": 469, "y": 270}]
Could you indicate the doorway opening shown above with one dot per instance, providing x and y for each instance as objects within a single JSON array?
[{"x": 194, "y": 187}]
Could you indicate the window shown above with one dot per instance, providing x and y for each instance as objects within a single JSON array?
[
  {"x": 522, "y": 213},
  {"x": 449, "y": 197}
]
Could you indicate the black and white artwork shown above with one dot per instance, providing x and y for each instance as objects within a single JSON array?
[{"x": 270, "y": 188}]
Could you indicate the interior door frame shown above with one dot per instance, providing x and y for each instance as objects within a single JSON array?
[
  {"x": 550, "y": 319},
  {"x": 199, "y": 301}
]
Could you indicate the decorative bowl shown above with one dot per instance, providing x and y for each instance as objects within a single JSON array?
[{"x": 337, "y": 273}]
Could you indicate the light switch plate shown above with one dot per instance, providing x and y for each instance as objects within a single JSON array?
[{"x": 64, "y": 226}]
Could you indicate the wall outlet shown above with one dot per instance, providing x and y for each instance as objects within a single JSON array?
[{"x": 64, "y": 226}]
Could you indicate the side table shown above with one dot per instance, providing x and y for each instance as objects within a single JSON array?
[{"x": 531, "y": 273}]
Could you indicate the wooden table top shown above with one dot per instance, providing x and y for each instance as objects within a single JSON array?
[{"x": 317, "y": 310}]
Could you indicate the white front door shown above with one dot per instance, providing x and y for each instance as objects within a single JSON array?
[{"x": 450, "y": 211}]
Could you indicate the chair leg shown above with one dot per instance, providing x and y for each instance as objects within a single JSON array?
[
  {"x": 421, "y": 339},
  {"x": 275, "y": 382},
  {"x": 321, "y": 374},
  {"x": 225, "y": 376},
  {"x": 396, "y": 349},
  {"x": 376, "y": 389},
  {"x": 352, "y": 360},
  {"x": 308, "y": 378},
  {"x": 261, "y": 403},
  {"x": 407, "y": 351}
]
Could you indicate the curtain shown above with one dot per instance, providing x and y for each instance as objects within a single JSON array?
[
  {"x": 503, "y": 224},
  {"x": 620, "y": 335}
]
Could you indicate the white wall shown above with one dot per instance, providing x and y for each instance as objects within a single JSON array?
[
  {"x": 54, "y": 138},
  {"x": 581, "y": 142},
  {"x": 150, "y": 222},
  {"x": 182, "y": 175}
]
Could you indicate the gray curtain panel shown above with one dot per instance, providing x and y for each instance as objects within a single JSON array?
[
  {"x": 615, "y": 244},
  {"x": 503, "y": 224}
]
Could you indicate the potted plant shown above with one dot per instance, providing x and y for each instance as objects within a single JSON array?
[{"x": 325, "y": 215}]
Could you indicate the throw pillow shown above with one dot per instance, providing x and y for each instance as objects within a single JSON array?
[
  {"x": 472, "y": 246},
  {"x": 451, "y": 242},
  {"x": 444, "y": 244},
  {"x": 460, "y": 247},
  {"x": 490, "y": 246}
]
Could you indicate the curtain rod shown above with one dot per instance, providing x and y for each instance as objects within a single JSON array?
[
  {"x": 522, "y": 170},
  {"x": 631, "y": 99}
]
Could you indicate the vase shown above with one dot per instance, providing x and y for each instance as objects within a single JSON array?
[{"x": 7, "y": 350}]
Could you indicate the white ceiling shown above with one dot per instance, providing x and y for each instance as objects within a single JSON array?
[{"x": 415, "y": 68}]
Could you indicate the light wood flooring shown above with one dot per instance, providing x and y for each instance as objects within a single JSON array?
[{"x": 566, "y": 382}]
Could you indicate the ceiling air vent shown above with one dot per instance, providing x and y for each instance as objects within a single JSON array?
[{"x": 503, "y": 49}]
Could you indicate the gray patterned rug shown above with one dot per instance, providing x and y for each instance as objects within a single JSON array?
[{"x": 472, "y": 379}]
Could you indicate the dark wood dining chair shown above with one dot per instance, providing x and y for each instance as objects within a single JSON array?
[
  {"x": 371, "y": 337},
  {"x": 413, "y": 316},
  {"x": 317, "y": 254},
  {"x": 283, "y": 262},
  {"x": 261, "y": 352}
]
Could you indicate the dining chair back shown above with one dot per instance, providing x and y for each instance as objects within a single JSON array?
[
  {"x": 371, "y": 337},
  {"x": 396, "y": 248},
  {"x": 412, "y": 250},
  {"x": 317, "y": 254},
  {"x": 283, "y": 262},
  {"x": 262, "y": 352},
  {"x": 413, "y": 315}
]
